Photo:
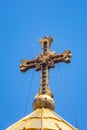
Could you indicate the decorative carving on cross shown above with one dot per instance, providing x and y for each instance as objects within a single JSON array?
[{"x": 43, "y": 63}]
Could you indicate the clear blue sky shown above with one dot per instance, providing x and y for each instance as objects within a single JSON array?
[{"x": 22, "y": 23}]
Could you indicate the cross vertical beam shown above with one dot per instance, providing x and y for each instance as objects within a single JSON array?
[
  {"x": 46, "y": 42},
  {"x": 44, "y": 76}
]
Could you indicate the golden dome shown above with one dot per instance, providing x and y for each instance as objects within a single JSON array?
[{"x": 42, "y": 119}]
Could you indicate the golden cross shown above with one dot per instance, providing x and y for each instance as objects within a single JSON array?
[{"x": 44, "y": 62}]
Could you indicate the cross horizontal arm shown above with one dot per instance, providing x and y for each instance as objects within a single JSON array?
[
  {"x": 27, "y": 64},
  {"x": 64, "y": 57},
  {"x": 50, "y": 60}
]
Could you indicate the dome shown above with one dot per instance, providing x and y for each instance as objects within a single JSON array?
[{"x": 42, "y": 118}]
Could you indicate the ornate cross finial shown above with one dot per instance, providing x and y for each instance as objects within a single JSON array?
[{"x": 43, "y": 63}]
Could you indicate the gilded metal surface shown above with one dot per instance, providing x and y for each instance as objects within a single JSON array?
[
  {"x": 43, "y": 101},
  {"x": 43, "y": 63},
  {"x": 42, "y": 118}
]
